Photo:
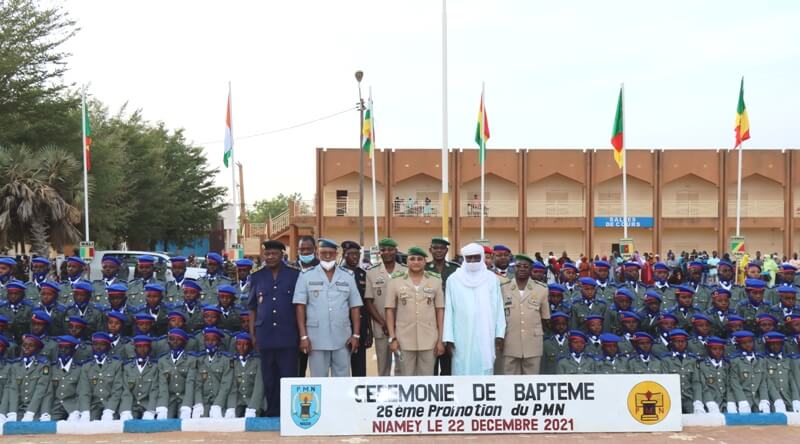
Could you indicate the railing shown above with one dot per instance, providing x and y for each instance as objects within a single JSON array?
[
  {"x": 349, "y": 207},
  {"x": 305, "y": 208},
  {"x": 614, "y": 208},
  {"x": 689, "y": 208},
  {"x": 257, "y": 228},
  {"x": 491, "y": 208},
  {"x": 280, "y": 222},
  {"x": 416, "y": 208},
  {"x": 555, "y": 208},
  {"x": 757, "y": 208}
]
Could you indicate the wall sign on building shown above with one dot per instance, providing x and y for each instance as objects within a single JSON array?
[
  {"x": 618, "y": 222},
  {"x": 480, "y": 405}
]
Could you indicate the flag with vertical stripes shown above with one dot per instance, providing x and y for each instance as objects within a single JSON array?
[
  {"x": 87, "y": 135},
  {"x": 482, "y": 131},
  {"x": 617, "y": 134},
  {"x": 228, "y": 134},
  {"x": 742, "y": 128},
  {"x": 367, "y": 130}
]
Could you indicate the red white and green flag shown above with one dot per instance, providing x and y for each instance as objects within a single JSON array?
[
  {"x": 482, "y": 131},
  {"x": 617, "y": 134},
  {"x": 87, "y": 135}
]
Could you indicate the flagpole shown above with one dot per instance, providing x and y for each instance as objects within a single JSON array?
[
  {"x": 482, "y": 158},
  {"x": 739, "y": 191},
  {"x": 372, "y": 166},
  {"x": 624, "y": 169},
  {"x": 445, "y": 200},
  {"x": 85, "y": 170},
  {"x": 235, "y": 235}
]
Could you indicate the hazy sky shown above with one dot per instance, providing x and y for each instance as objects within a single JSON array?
[{"x": 552, "y": 73}]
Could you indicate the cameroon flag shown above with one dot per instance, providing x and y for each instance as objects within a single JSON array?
[
  {"x": 742, "y": 121},
  {"x": 617, "y": 138},
  {"x": 87, "y": 136}
]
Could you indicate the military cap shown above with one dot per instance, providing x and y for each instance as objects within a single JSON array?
[
  {"x": 179, "y": 333},
  {"x": 559, "y": 314},
  {"x": 677, "y": 333},
  {"x": 774, "y": 336},
  {"x": 41, "y": 317},
  {"x": 4, "y": 341},
  {"x": 144, "y": 317},
  {"x": 101, "y": 336},
  {"x": 82, "y": 286},
  {"x": 700, "y": 317},
  {"x": 632, "y": 264},
  {"x": 577, "y": 334},
  {"x": 191, "y": 283},
  {"x": 327, "y": 243},
  {"x": 723, "y": 291},
  {"x": 523, "y": 257},
  {"x": 77, "y": 320},
  {"x": 556, "y": 288},
  {"x": 754, "y": 264},
  {"x": 117, "y": 288},
  {"x": 51, "y": 285},
  {"x": 274, "y": 245},
  {"x": 588, "y": 281},
  {"x": 244, "y": 314},
  {"x": 696, "y": 264},
  {"x": 536, "y": 265},
  {"x": 652, "y": 294},
  {"x": 244, "y": 263},
  {"x": 440, "y": 241},
  {"x": 487, "y": 250},
  {"x": 766, "y": 317},
  {"x": 213, "y": 331},
  {"x": 683, "y": 289},
  {"x": 628, "y": 315},
  {"x": 660, "y": 266},
  {"x": 787, "y": 267},
  {"x": 716, "y": 341},
  {"x": 667, "y": 315},
  {"x": 214, "y": 257},
  {"x": 724, "y": 263},
  {"x": 114, "y": 259},
  {"x": 229, "y": 289},
  {"x": 40, "y": 260},
  {"x": 15, "y": 284},
  {"x": 593, "y": 317},
  {"x": 417, "y": 251},
  {"x": 117, "y": 315},
  {"x": 569, "y": 265},
  {"x": 387, "y": 242},
  {"x": 501, "y": 248},
  {"x": 786, "y": 289},
  {"x": 608, "y": 338},
  {"x": 601, "y": 264},
  {"x": 794, "y": 317},
  {"x": 69, "y": 341},
  {"x": 33, "y": 337},
  {"x": 142, "y": 340},
  {"x": 176, "y": 314},
  {"x": 740, "y": 335},
  {"x": 732, "y": 319},
  {"x": 623, "y": 291},
  {"x": 350, "y": 245},
  {"x": 8, "y": 261},
  {"x": 76, "y": 260},
  {"x": 640, "y": 335},
  {"x": 145, "y": 259},
  {"x": 211, "y": 308},
  {"x": 158, "y": 288},
  {"x": 243, "y": 336},
  {"x": 179, "y": 259}
]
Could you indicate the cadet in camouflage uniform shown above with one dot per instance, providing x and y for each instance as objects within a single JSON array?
[
  {"x": 110, "y": 268},
  {"x": 754, "y": 305},
  {"x": 65, "y": 376},
  {"x": 145, "y": 267},
  {"x": 576, "y": 362},
  {"x": 16, "y": 309},
  {"x": 747, "y": 376},
  {"x": 28, "y": 393},
  {"x": 214, "y": 376},
  {"x": 177, "y": 373},
  {"x": 191, "y": 307},
  {"x": 661, "y": 286},
  {"x": 100, "y": 389},
  {"x": 247, "y": 393},
  {"x": 81, "y": 307},
  {"x": 139, "y": 383},
  {"x": 623, "y": 300},
  {"x": 680, "y": 362},
  {"x": 555, "y": 345},
  {"x": 712, "y": 373},
  {"x": 586, "y": 304},
  {"x": 779, "y": 378},
  {"x": 213, "y": 278},
  {"x": 610, "y": 361},
  {"x": 643, "y": 361},
  {"x": 155, "y": 308}
]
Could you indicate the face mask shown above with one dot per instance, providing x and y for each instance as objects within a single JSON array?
[
  {"x": 328, "y": 265},
  {"x": 473, "y": 267},
  {"x": 307, "y": 259}
]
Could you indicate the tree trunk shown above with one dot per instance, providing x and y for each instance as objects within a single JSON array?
[{"x": 39, "y": 239}]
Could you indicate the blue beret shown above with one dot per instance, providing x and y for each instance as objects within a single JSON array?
[
  {"x": 609, "y": 337},
  {"x": 642, "y": 335},
  {"x": 226, "y": 289},
  {"x": 623, "y": 291},
  {"x": 536, "y": 265},
  {"x": 117, "y": 315},
  {"x": 787, "y": 289},
  {"x": 176, "y": 314},
  {"x": 774, "y": 336},
  {"x": 4, "y": 341},
  {"x": 154, "y": 287},
  {"x": 683, "y": 289},
  {"x": 101, "y": 336},
  {"x": 559, "y": 314},
  {"x": 660, "y": 266},
  {"x": 327, "y": 243},
  {"x": 214, "y": 257},
  {"x": 569, "y": 265},
  {"x": 244, "y": 314},
  {"x": 213, "y": 331},
  {"x": 142, "y": 339},
  {"x": 676, "y": 332},
  {"x": 178, "y": 332},
  {"x": 700, "y": 317},
  {"x": 191, "y": 283},
  {"x": 588, "y": 281},
  {"x": 501, "y": 248},
  {"x": 41, "y": 317},
  {"x": 696, "y": 264},
  {"x": 8, "y": 261},
  {"x": 793, "y": 317},
  {"x": 735, "y": 318},
  {"x": 754, "y": 284},
  {"x": 577, "y": 334},
  {"x": 632, "y": 264},
  {"x": 76, "y": 259},
  {"x": 145, "y": 259},
  {"x": 40, "y": 260},
  {"x": 178, "y": 259},
  {"x": 83, "y": 285},
  {"x": 15, "y": 284},
  {"x": 243, "y": 336},
  {"x": 117, "y": 288},
  {"x": 593, "y": 317},
  {"x": 144, "y": 317},
  {"x": 33, "y": 337},
  {"x": 51, "y": 285},
  {"x": 715, "y": 340},
  {"x": 77, "y": 320},
  {"x": 667, "y": 315},
  {"x": 788, "y": 267},
  {"x": 213, "y": 308},
  {"x": 556, "y": 288},
  {"x": 766, "y": 317},
  {"x": 629, "y": 315},
  {"x": 68, "y": 340},
  {"x": 725, "y": 291},
  {"x": 652, "y": 294},
  {"x": 741, "y": 334},
  {"x": 601, "y": 264},
  {"x": 114, "y": 259},
  {"x": 3, "y": 319},
  {"x": 754, "y": 264},
  {"x": 244, "y": 263},
  {"x": 725, "y": 263}
]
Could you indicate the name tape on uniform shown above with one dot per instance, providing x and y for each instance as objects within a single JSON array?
[{"x": 480, "y": 404}]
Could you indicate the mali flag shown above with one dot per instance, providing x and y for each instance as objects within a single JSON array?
[
  {"x": 617, "y": 139},
  {"x": 482, "y": 131},
  {"x": 742, "y": 121}
]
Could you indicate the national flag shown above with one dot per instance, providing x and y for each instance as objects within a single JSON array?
[
  {"x": 228, "y": 134},
  {"x": 617, "y": 134},
  {"x": 367, "y": 130},
  {"x": 482, "y": 131},
  {"x": 87, "y": 135},
  {"x": 742, "y": 121}
]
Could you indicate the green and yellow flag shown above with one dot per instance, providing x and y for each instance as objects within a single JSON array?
[
  {"x": 367, "y": 130},
  {"x": 617, "y": 134},
  {"x": 482, "y": 131},
  {"x": 742, "y": 121}
]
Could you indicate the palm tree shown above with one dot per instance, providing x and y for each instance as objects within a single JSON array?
[{"x": 38, "y": 193}]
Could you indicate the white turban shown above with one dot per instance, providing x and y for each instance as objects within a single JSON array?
[{"x": 473, "y": 274}]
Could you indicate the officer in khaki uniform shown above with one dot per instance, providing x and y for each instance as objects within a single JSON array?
[
  {"x": 526, "y": 308},
  {"x": 29, "y": 393},
  {"x": 100, "y": 389},
  {"x": 415, "y": 316},
  {"x": 375, "y": 298},
  {"x": 65, "y": 377},
  {"x": 177, "y": 371},
  {"x": 139, "y": 383},
  {"x": 214, "y": 376},
  {"x": 247, "y": 393}
]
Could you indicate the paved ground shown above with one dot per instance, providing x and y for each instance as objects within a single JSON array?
[{"x": 719, "y": 435}]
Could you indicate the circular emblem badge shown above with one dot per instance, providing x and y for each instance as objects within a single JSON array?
[{"x": 648, "y": 402}]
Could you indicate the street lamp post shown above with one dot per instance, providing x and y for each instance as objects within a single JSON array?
[{"x": 359, "y": 76}]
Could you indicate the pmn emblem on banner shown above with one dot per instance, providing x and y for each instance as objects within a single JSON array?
[
  {"x": 306, "y": 405},
  {"x": 648, "y": 402}
]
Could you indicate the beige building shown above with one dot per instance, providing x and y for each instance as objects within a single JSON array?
[{"x": 557, "y": 199}]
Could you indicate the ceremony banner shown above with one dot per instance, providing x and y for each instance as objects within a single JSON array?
[{"x": 480, "y": 404}]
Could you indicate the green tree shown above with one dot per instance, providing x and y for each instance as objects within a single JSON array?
[{"x": 264, "y": 209}]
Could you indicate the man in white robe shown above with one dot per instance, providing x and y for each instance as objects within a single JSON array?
[{"x": 474, "y": 321}]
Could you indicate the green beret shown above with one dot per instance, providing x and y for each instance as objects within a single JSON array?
[
  {"x": 440, "y": 241},
  {"x": 387, "y": 242},
  {"x": 417, "y": 251},
  {"x": 522, "y": 257}
]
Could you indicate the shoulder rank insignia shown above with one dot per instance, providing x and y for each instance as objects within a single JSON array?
[{"x": 397, "y": 274}]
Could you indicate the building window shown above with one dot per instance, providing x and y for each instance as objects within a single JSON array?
[{"x": 556, "y": 203}]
